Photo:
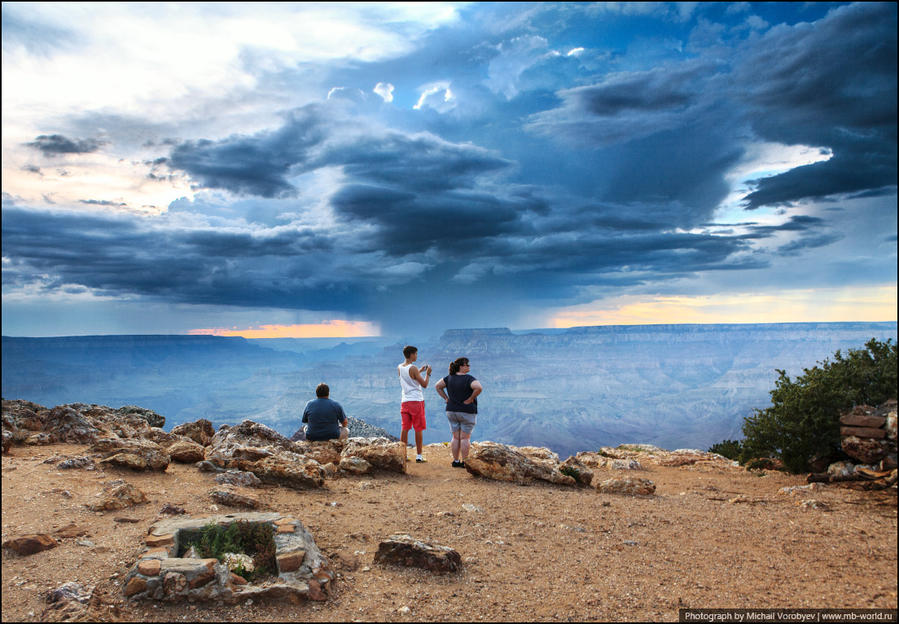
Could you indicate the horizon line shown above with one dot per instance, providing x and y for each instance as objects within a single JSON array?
[{"x": 532, "y": 329}]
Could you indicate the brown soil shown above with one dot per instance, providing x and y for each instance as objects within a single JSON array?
[{"x": 537, "y": 552}]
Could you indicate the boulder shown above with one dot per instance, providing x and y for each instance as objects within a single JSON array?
[
  {"x": 863, "y": 432},
  {"x": 507, "y": 463},
  {"x": 841, "y": 470},
  {"x": 632, "y": 486},
  {"x": 200, "y": 431},
  {"x": 355, "y": 465},
  {"x": 186, "y": 452},
  {"x": 404, "y": 550},
  {"x": 323, "y": 451},
  {"x": 250, "y": 434},
  {"x": 238, "y": 477},
  {"x": 866, "y": 450},
  {"x": 234, "y": 497},
  {"x": 160, "y": 437},
  {"x": 380, "y": 453},
  {"x": 582, "y": 474},
  {"x": 862, "y": 416},
  {"x": 888, "y": 411},
  {"x": 118, "y": 495},
  {"x": 290, "y": 470},
  {"x": 30, "y": 544},
  {"x": 137, "y": 454},
  {"x": 152, "y": 418}
]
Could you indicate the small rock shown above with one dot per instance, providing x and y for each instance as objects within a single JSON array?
[
  {"x": 631, "y": 485},
  {"x": 229, "y": 495},
  {"x": 75, "y": 462},
  {"x": 171, "y": 509},
  {"x": 404, "y": 610},
  {"x": 30, "y": 544},
  {"x": 471, "y": 508},
  {"x": 814, "y": 504},
  {"x": 407, "y": 551}
]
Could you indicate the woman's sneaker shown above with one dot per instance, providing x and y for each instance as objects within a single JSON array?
[{"x": 458, "y": 464}]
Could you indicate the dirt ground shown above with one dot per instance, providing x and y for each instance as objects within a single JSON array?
[{"x": 538, "y": 552}]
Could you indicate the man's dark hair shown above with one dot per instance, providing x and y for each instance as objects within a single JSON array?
[
  {"x": 322, "y": 390},
  {"x": 409, "y": 350}
]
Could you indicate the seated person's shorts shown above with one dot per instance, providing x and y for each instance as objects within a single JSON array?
[
  {"x": 344, "y": 432},
  {"x": 461, "y": 421}
]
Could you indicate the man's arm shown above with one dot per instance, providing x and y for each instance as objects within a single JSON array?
[
  {"x": 414, "y": 374},
  {"x": 306, "y": 414},
  {"x": 476, "y": 389}
]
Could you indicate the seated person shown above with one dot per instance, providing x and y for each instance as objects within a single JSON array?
[{"x": 325, "y": 418}]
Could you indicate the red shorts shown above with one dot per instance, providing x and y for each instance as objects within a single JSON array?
[{"x": 413, "y": 413}]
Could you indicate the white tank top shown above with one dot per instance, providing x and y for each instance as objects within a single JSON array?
[{"x": 411, "y": 388}]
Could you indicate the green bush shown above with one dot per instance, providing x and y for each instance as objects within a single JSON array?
[
  {"x": 803, "y": 419},
  {"x": 251, "y": 538},
  {"x": 731, "y": 449}
]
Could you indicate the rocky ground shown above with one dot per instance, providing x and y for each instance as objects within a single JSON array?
[{"x": 712, "y": 535}]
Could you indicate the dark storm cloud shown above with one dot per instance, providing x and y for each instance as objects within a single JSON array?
[
  {"x": 257, "y": 164},
  {"x": 796, "y": 223},
  {"x": 52, "y": 144},
  {"x": 794, "y": 247},
  {"x": 628, "y": 105},
  {"x": 121, "y": 255},
  {"x": 575, "y": 256},
  {"x": 830, "y": 84},
  {"x": 673, "y": 132},
  {"x": 451, "y": 222},
  {"x": 311, "y": 138},
  {"x": 420, "y": 162}
]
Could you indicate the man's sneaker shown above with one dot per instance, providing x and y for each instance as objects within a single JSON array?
[
  {"x": 420, "y": 459},
  {"x": 458, "y": 464}
]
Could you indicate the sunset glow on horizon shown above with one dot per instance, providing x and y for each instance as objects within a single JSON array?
[
  {"x": 822, "y": 305},
  {"x": 325, "y": 329}
]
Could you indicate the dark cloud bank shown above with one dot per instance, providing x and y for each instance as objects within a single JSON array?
[{"x": 455, "y": 218}]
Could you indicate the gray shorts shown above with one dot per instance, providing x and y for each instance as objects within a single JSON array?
[{"x": 461, "y": 421}]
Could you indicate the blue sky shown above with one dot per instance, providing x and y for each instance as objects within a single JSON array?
[{"x": 314, "y": 169}]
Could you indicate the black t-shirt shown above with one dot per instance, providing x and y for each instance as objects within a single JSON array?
[{"x": 458, "y": 388}]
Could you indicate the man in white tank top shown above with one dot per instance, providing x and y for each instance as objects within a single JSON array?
[{"x": 412, "y": 410}]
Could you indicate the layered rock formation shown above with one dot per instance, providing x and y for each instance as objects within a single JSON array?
[{"x": 868, "y": 437}]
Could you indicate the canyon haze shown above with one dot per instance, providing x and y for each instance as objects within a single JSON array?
[{"x": 675, "y": 386}]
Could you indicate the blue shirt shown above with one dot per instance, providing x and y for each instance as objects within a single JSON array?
[{"x": 324, "y": 417}]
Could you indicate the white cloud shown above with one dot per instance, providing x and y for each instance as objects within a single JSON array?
[
  {"x": 436, "y": 95},
  {"x": 575, "y": 51},
  {"x": 385, "y": 90}
]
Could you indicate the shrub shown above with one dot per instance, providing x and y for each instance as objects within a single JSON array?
[
  {"x": 251, "y": 538},
  {"x": 571, "y": 471},
  {"x": 730, "y": 449},
  {"x": 803, "y": 420}
]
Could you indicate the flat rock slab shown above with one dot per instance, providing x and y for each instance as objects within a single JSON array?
[
  {"x": 630, "y": 486},
  {"x": 30, "y": 544},
  {"x": 405, "y": 550}
]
